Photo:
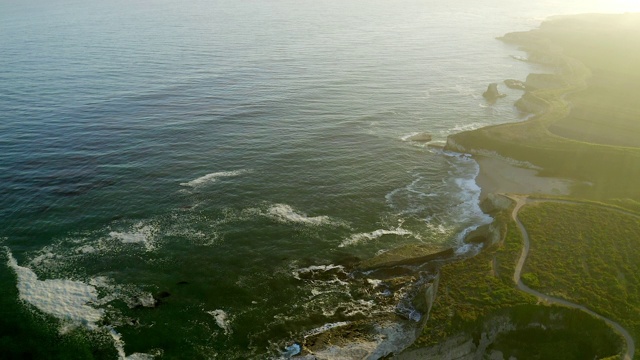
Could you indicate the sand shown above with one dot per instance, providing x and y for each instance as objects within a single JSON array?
[{"x": 499, "y": 176}]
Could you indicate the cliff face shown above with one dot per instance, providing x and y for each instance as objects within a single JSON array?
[
  {"x": 463, "y": 346},
  {"x": 529, "y": 103},
  {"x": 494, "y": 336},
  {"x": 452, "y": 145}
]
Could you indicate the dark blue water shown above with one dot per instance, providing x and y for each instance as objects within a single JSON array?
[{"x": 207, "y": 153}]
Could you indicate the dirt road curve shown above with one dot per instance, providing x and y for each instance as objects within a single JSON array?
[{"x": 520, "y": 202}]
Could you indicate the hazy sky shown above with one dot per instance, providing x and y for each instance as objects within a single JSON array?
[{"x": 581, "y": 6}]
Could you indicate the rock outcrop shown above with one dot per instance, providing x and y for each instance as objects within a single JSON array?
[
  {"x": 515, "y": 84},
  {"x": 532, "y": 104},
  {"x": 420, "y": 137},
  {"x": 492, "y": 93}
]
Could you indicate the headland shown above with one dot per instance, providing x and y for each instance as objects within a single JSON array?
[{"x": 578, "y": 157}]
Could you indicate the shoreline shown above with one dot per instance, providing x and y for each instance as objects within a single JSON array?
[{"x": 499, "y": 175}]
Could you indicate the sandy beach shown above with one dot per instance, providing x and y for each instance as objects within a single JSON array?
[{"x": 499, "y": 176}]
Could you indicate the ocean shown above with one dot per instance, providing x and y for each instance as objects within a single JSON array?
[{"x": 175, "y": 175}]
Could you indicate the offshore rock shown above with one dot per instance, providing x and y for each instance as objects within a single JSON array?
[
  {"x": 420, "y": 137},
  {"x": 492, "y": 92},
  {"x": 515, "y": 84}
]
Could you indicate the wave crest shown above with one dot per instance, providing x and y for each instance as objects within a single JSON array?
[
  {"x": 285, "y": 213},
  {"x": 213, "y": 177}
]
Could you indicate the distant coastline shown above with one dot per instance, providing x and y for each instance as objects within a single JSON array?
[{"x": 546, "y": 155}]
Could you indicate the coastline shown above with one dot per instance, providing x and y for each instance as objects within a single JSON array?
[{"x": 498, "y": 175}]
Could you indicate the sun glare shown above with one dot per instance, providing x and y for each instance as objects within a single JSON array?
[{"x": 626, "y": 5}]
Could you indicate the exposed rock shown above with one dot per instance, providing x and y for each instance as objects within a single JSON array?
[
  {"x": 530, "y": 103},
  {"x": 463, "y": 346},
  {"x": 375, "y": 337},
  {"x": 492, "y": 92},
  {"x": 515, "y": 84},
  {"x": 494, "y": 203},
  {"x": 420, "y": 137},
  {"x": 359, "y": 341},
  {"x": 452, "y": 145},
  {"x": 488, "y": 235}
]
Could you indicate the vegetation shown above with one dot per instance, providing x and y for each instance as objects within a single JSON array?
[
  {"x": 568, "y": 334},
  {"x": 471, "y": 289},
  {"x": 585, "y": 128},
  {"x": 592, "y": 137},
  {"x": 475, "y": 294},
  {"x": 587, "y": 254}
]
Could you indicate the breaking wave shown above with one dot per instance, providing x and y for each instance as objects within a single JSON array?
[{"x": 213, "y": 177}]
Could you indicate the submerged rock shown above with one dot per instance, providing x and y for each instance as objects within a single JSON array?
[{"x": 492, "y": 92}]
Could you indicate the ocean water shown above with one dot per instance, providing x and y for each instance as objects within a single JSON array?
[{"x": 215, "y": 155}]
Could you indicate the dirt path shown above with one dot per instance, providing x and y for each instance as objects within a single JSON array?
[{"x": 520, "y": 202}]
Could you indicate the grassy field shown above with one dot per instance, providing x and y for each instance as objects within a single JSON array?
[
  {"x": 587, "y": 254},
  {"x": 587, "y": 128},
  {"x": 479, "y": 291},
  {"x": 588, "y": 120},
  {"x": 470, "y": 290}
]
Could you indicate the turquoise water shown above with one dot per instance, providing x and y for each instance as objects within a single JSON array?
[{"x": 209, "y": 154}]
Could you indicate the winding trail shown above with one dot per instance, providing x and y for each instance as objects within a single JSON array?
[{"x": 520, "y": 202}]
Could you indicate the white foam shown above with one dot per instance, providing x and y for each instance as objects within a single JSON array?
[
  {"x": 140, "y": 233},
  {"x": 325, "y": 327},
  {"x": 407, "y": 137},
  {"x": 468, "y": 127},
  {"x": 213, "y": 177},
  {"x": 313, "y": 268},
  {"x": 73, "y": 302},
  {"x": 285, "y": 213},
  {"x": 64, "y": 299},
  {"x": 119, "y": 345},
  {"x": 222, "y": 319},
  {"x": 469, "y": 248},
  {"x": 362, "y": 237},
  {"x": 440, "y": 228},
  {"x": 86, "y": 249}
]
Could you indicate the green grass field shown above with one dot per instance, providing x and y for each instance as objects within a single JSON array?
[
  {"x": 587, "y": 254},
  {"x": 470, "y": 290},
  {"x": 587, "y": 128},
  {"x": 476, "y": 293}
]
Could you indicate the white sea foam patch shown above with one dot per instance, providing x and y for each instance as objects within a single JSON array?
[
  {"x": 64, "y": 299},
  {"x": 285, "y": 213},
  {"x": 119, "y": 345},
  {"x": 140, "y": 233},
  {"x": 213, "y": 177},
  {"x": 467, "y": 211},
  {"x": 408, "y": 136},
  {"x": 222, "y": 320},
  {"x": 316, "y": 268},
  {"x": 363, "y": 237},
  {"x": 74, "y": 303},
  {"x": 324, "y": 328},
  {"x": 467, "y": 127}
]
